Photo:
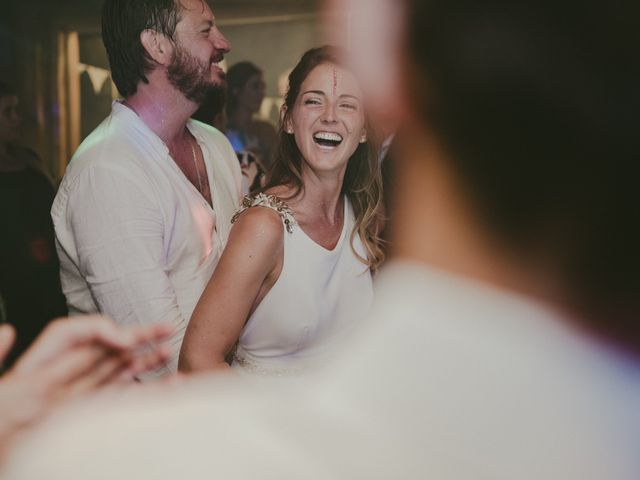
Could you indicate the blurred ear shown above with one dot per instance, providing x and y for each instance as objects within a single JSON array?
[
  {"x": 158, "y": 46},
  {"x": 363, "y": 137},
  {"x": 286, "y": 120}
]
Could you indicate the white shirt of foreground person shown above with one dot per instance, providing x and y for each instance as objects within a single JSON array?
[
  {"x": 136, "y": 239},
  {"x": 455, "y": 380}
]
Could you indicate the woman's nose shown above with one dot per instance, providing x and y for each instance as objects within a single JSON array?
[{"x": 328, "y": 115}]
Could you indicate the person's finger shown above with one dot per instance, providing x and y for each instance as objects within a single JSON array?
[
  {"x": 7, "y": 337},
  {"x": 105, "y": 370},
  {"x": 152, "y": 333},
  {"x": 69, "y": 366},
  {"x": 64, "y": 334},
  {"x": 149, "y": 359}
]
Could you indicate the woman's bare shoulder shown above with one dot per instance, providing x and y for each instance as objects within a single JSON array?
[{"x": 258, "y": 224}]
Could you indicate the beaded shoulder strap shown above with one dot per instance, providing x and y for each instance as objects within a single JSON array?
[{"x": 269, "y": 201}]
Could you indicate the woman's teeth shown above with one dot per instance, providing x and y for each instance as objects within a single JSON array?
[{"x": 328, "y": 139}]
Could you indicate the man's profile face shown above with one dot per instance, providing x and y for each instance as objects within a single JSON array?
[{"x": 199, "y": 49}]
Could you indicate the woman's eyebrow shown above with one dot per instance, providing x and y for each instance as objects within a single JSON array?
[{"x": 317, "y": 92}]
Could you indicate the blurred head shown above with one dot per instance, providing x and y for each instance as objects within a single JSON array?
[
  {"x": 372, "y": 30},
  {"x": 534, "y": 104},
  {"x": 245, "y": 87},
  {"x": 323, "y": 128},
  {"x": 179, "y": 35},
  {"x": 9, "y": 118}
]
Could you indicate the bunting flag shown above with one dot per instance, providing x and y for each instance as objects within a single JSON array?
[{"x": 97, "y": 76}]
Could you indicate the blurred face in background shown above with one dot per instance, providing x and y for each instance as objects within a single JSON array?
[
  {"x": 252, "y": 94},
  {"x": 9, "y": 119}
]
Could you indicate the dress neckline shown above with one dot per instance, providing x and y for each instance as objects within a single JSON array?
[
  {"x": 342, "y": 232},
  {"x": 278, "y": 205}
]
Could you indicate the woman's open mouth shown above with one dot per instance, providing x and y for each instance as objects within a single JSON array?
[{"x": 327, "y": 139}]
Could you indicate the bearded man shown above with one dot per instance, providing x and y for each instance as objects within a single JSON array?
[{"x": 144, "y": 208}]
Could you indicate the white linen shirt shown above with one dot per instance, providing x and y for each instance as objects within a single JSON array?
[{"x": 136, "y": 239}]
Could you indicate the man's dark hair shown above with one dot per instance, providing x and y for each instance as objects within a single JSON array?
[
  {"x": 536, "y": 103},
  {"x": 122, "y": 23}
]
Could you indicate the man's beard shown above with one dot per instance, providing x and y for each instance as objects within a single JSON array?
[{"x": 189, "y": 76}]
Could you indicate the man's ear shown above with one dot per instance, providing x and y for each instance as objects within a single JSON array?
[
  {"x": 363, "y": 137},
  {"x": 158, "y": 46}
]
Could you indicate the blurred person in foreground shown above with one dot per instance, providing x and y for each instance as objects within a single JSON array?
[
  {"x": 505, "y": 341},
  {"x": 144, "y": 208},
  {"x": 71, "y": 358}
]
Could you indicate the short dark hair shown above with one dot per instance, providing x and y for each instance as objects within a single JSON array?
[
  {"x": 536, "y": 104},
  {"x": 122, "y": 23},
  {"x": 237, "y": 77}
]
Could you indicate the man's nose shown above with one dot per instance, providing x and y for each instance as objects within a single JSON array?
[{"x": 221, "y": 43}]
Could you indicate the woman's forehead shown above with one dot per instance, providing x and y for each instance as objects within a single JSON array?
[{"x": 332, "y": 80}]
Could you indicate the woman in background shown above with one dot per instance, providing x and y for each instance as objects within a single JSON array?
[
  {"x": 29, "y": 266},
  {"x": 245, "y": 93}
]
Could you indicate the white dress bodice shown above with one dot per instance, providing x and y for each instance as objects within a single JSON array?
[{"x": 319, "y": 296}]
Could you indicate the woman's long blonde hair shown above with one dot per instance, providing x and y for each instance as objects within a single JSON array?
[{"x": 362, "y": 181}]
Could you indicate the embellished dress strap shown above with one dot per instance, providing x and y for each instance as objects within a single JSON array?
[{"x": 269, "y": 201}]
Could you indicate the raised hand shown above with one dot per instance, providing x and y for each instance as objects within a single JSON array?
[{"x": 71, "y": 357}]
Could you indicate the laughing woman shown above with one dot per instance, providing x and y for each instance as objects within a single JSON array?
[{"x": 296, "y": 273}]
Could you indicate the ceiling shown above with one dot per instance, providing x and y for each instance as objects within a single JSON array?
[{"x": 85, "y": 14}]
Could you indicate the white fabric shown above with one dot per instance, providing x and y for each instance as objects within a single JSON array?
[
  {"x": 453, "y": 381},
  {"x": 136, "y": 239},
  {"x": 318, "y": 298}
]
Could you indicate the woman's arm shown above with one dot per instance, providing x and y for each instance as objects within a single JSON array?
[{"x": 247, "y": 267}]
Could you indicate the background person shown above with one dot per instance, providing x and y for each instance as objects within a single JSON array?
[
  {"x": 245, "y": 93},
  {"x": 30, "y": 290}
]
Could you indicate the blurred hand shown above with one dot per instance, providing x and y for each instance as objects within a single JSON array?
[{"x": 73, "y": 356}]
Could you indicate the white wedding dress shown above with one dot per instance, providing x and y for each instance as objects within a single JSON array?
[{"x": 318, "y": 298}]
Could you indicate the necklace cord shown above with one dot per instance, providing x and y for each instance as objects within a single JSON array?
[{"x": 195, "y": 164}]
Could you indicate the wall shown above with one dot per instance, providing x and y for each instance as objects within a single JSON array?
[{"x": 271, "y": 33}]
